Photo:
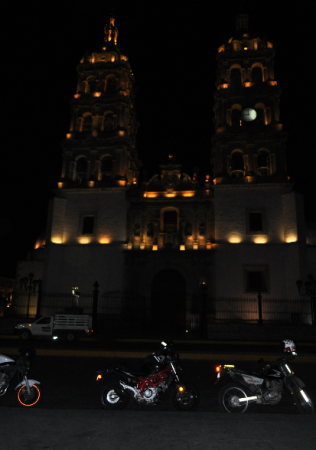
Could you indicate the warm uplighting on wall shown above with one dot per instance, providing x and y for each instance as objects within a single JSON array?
[
  {"x": 273, "y": 83},
  {"x": 182, "y": 247},
  {"x": 77, "y": 95},
  {"x": 68, "y": 135},
  {"x": 155, "y": 247},
  {"x": 91, "y": 183},
  {"x": 269, "y": 45},
  {"x": 291, "y": 238},
  {"x": 221, "y": 49},
  {"x": 151, "y": 194},
  {"x": 247, "y": 84},
  {"x": 208, "y": 245},
  {"x": 60, "y": 185},
  {"x": 142, "y": 246},
  {"x": 56, "y": 240},
  {"x": 84, "y": 240},
  {"x": 224, "y": 86},
  {"x": 260, "y": 239},
  {"x": 170, "y": 194},
  {"x": 134, "y": 180},
  {"x": 121, "y": 182},
  {"x": 188, "y": 194},
  {"x": 234, "y": 239},
  {"x": 129, "y": 246},
  {"x": 121, "y": 132},
  {"x": 97, "y": 94},
  {"x": 104, "y": 240},
  {"x": 195, "y": 245}
]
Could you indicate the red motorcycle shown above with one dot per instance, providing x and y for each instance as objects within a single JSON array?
[{"x": 160, "y": 374}]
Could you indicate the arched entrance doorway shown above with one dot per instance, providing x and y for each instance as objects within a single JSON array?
[{"x": 168, "y": 302}]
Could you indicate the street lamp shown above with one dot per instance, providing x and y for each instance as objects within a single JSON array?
[
  {"x": 310, "y": 291},
  {"x": 29, "y": 284}
]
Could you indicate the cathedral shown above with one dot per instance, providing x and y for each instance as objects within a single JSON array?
[{"x": 239, "y": 233}]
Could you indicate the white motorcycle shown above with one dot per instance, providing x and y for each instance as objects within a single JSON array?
[
  {"x": 241, "y": 388},
  {"x": 29, "y": 392}
]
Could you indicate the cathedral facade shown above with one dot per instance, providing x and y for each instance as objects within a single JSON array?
[{"x": 242, "y": 231}]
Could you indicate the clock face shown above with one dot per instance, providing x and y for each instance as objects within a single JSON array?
[{"x": 249, "y": 114}]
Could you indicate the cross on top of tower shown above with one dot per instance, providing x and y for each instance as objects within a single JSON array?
[{"x": 111, "y": 32}]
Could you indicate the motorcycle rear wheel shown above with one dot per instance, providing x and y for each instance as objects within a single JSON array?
[
  {"x": 32, "y": 398},
  {"x": 185, "y": 401},
  {"x": 228, "y": 398},
  {"x": 109, "y": 397},
  {"x": 303, "y": 406}
]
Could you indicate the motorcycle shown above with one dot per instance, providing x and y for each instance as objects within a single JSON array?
[
  {"x": 29, "y": 392},
  {"x": 160, "y": 373},
  {"x": 242, "y": 389}
]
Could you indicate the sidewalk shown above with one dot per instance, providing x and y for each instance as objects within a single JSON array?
[{"x": 36, "y": 429}]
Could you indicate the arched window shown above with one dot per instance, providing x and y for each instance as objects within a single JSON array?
[
  {"x": 170, "y": 221},
  {"x": 87, "y": 123},
  {"x": 235, "y": 77},
  {"x": 108, "y": 121},
  {"x": 236, "y": 118},
  {"x": 110, "y": 84},
  {"x": 263, "y": 163},
  {"x": 237, "y": 164},
  {"x": 106, "y": 167},
  {"x": 81, "y": 169},
  {"x": 260, "y": 116},
  {"x": 257, "y": 75},
  {"x": 92, "y": 82}
]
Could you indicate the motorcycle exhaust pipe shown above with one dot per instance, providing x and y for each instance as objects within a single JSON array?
[
  {"x": 248, "y": 399},
  {"x": 126, "y": 390},
  {"x": 120, "y": 391}
]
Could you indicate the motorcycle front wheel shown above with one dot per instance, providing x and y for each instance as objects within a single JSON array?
[
  {"x": 185, "y": 397},
  {"x": 228, "y": 398},
  {"x": 110, "y": 397},
  {"x": 31, "y": 397},
  {"x": 304, "y": 405}
]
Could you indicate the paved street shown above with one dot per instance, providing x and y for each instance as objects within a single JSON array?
[{"x": 131, "y": 430}]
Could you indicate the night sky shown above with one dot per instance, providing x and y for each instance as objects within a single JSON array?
[{"x": 172, "y": 49}]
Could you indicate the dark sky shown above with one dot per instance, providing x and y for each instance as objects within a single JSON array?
[{"x": 172, "y": 49}]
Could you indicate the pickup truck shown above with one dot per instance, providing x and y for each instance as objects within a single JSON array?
[{"x": 61, "y": 325}]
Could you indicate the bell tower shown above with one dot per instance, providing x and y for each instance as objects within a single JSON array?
[
  {"x": 99, "y": 149},
  {"x": 249, "y": 143}
]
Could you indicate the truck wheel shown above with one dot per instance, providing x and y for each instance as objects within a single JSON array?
[
  {"x": 71, "y": 337},
  {"x": 25, "y": 334}
]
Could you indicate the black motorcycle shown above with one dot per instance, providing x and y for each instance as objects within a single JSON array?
[
  {"x": 241, "y": 389},
  {"x": 29, "y": 392},
  {"x": 160, "y": 374}
]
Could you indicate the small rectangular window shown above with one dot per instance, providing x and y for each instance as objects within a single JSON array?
[
  {"x": 87, "y": 225},
  {"x": 256, "y": 279},
  {"x": 255, "y": 221}
]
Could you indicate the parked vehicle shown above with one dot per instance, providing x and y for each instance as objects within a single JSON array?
[
  {"x": 69, "y": 326},
  {"x": 160, "y": 374},
  {"x": 29, "y": 392},
  {"x": 241, "y": 388}
]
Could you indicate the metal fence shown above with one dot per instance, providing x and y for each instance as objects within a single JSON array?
[
  {"x": 273, "y": 310},
  {"x": 130, "y": 306}
]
